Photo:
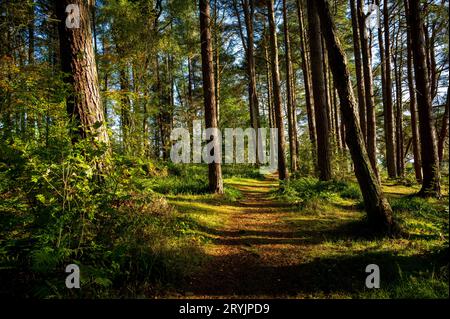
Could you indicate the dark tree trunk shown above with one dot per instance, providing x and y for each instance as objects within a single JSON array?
[
  {"x": 290, "y": 92},
  {"x": 430, "y": 160},
  {"x": 413, "y": 105},
  {"x": 359, "y": 69},
  {"x": 307, "y": 81},
  {"x": 78, "y": 62},
  {"x": 282, "y": 171},
  {"x": 215, "y": 169},
  {"x": 387, "y": 93},
  {"x": 378, "y": 209},
  {"x": 444, "y": 129},
  {"x": 368, "y": 87},
  {"x": 251, "y": 68},
  {"x": 398, "y": 68},
  {"x": 319, "y": 93}
]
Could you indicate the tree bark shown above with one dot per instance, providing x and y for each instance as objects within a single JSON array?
[
  {"x": 282, "y": 171},
  {"x": 385, "y": 56},
  {"x": 398, "y": 68},
  {"x": 215, "y": 169},
  {"x": 249, "y": 13},
  {"x": 291, "y": 107},
  {"x": 319, "y": 93},
  {"x": 78, "y": 63},
  {"x": 307, "y": 82},
  {"x": 430, "y": 160},
  {"x": 413, "y": 105},
  {"x": 359, "y": 69},
  {"x": 368, "y": 87},
  {"x": 378, "y": 210},
  {"x": 444, "y": 129}
]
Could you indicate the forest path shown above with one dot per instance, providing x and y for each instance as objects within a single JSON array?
[{"x": 257, "y": 252}]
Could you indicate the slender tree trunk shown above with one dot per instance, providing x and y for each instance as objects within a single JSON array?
[
  {"x": 444, "y": 129},
  {"x": 215, "y": 169},
  {"x": 398, "y": 68},
  {"x": 413, "y": 105},
  {"x": 430, "y": 160},
  {"x": 282, "y": 171},
  {"x": 377, "y": 207},
  {"x": 251, "y": 69},
  {"x": 368, "y": 86},
  {"x": 290, "y": 92},
  {"x": 359, "y": 69},
  {"x": 269, "y": 82},
  {"x": 78, "y": 62},
  {"x": 307, "y": 81},
  {"x": 319, "y": 93},
  {"x": 386, "y": 83}
]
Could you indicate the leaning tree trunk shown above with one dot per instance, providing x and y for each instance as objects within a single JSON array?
[
  {"x": 430, "y": 160},
  {"x": 379, "y": 212},
  {"x": 282, "y": 171},
  {"x": 78, "y": 64},
  {"x": 319, "y": 93},
  {"x": 215, "y": 169}
]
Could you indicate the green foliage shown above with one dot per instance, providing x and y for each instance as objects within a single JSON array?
[{"x": 307, "y": 189}]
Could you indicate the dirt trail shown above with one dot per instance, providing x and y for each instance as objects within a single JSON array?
[{"x": 253, "y": 254}]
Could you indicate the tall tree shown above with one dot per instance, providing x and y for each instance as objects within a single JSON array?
[
  {"x": 319, "y": 93},
  {"x": 385, "y": 57},
  {"x": 413, "y": 104},
  {"x": 430, "y": 160},
  {"x": 368, "y": 87},
  {"x": 377, "y": 207},
  {"x": 398, "y": 70},
  {"x": 359, "y": 69},
  {"x": 282, "y": 171},
  {"x": 290, "y": 94},
  {"x": 248, "y": 44},
  {"x": 215, "y": 168},
  {"x": 78, "y": 63},
  {"x": 444, "y": 128},
  {"x": 307, "y": 82}
]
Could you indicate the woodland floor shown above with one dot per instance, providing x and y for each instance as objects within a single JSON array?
[{"x": 260, "y": 247}]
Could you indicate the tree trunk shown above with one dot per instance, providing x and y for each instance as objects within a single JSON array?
[
  {"x": 386, "y": 83},
  {"x": 359, "y": 69},
  {"x": 249, "y": 13},
  {"x": 398, "y": 68},
  {"x": 78, "y": 62},
  {"x": 215, "y": 169},
  {"x": 444, "y": 129},
  {"x": 307, "y": 81},
  {"x": 319, "y": 93},
  {"x": 413, "y": 105},
  {"x": 430, "y": 160},
  {"x": 368, "y": 87},
  {"x": 290, "y": 92},
  {"x": 378, "y": 210},
  {"x": 282, "y": 171}
]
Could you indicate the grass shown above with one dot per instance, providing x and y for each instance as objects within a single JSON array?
[
  {"x": 412, "y": 267},
  {"x": 153, "y": 233}
]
